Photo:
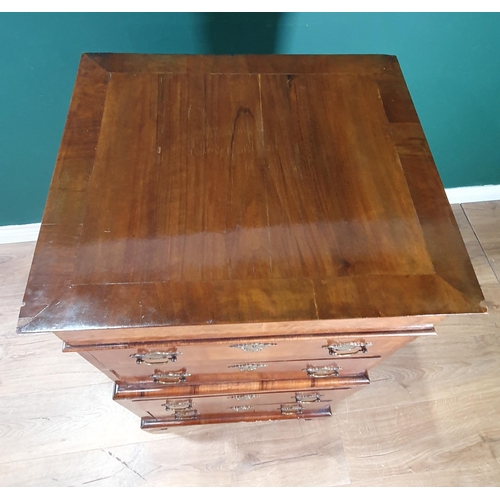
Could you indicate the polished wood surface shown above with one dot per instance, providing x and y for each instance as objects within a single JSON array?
[
  {"x": 269, "y": 412},
  {"x": 235, "y": 405},
  {"x": 240, "y": 370},
  {"x": 202, "y": 200},
  {"x": 245, "y": 332},
  {"x": 130, "y": 363},
  {"x": 134, "y": 392},
  {"x": 431, "y": 416},
  {"x": 204, "y": 191},
  {"x": 277, "y": 347}
]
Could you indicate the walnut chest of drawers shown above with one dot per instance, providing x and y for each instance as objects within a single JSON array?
[{"x": 243, "y": 238}]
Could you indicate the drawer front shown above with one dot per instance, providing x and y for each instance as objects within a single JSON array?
[
  {"x": 139, "y": 362},
  {"x": 181, "y": 374},
  {"x": 154, "y": 425},
  {"x": 192, "y": 408}
]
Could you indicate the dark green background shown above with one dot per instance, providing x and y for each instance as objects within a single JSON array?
[{"x": 451, "y": 62}]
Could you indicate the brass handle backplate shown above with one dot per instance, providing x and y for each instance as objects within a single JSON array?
[
  {"x": 253, "y": 347},
  {"x": 322, "y": 371},
  {"x": 178, "y": 404},
  {"x": 155, "y": 358},
  {"x": 248, "y": 367},
  {"x": 303, "y": 397},
  {"x": 186, "y": 414},
  {"x": 347, "y": 348},
  {"x": 167, "y": 378},
  {"x": 239, "y": 397},
  {"x": 291, "y": 409},
  {"x": 241, "y": 408}
]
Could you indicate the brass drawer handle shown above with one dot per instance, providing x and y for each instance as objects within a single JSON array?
[
  {"x": 186, "y": 415},
  {"x": 239, "y": 397},
  {"x": 170, "y": 377},
  {"x": 179, "y": 404},
  {"x": 241, "y": 408},
  {"x": 253, "y": 347},
  {"x": 307, "y": 398},
  {"x": 347, "y": 348},
  {"x": 291, "y": 409},
  {"x": 155, "y": 358},
  {"x": 322, "y": 371},
  {"x": 248, "y": 367}
]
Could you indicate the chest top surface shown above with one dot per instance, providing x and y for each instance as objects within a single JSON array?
[{"x": 202, "y": 190}]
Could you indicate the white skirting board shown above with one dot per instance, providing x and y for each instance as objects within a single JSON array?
[
  {"x": 473, "y": 194},
  {"x": 29, "y": 232},
  {"x": 19, "y": 234}
]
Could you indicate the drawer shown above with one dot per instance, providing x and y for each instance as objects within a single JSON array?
[
  {"x": 235, "y": 399},
  {"x": 151, "y": 424},
  {"x": 137, "y": 362},
  {"x": 224, "y": 371},
  {"x": 190, "y": 408}
]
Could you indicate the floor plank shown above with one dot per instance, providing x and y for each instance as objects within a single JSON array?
[
  {"x": 432, "y": 369},
  {"x": 53, "y": 422},
  {"x": 485, "y": 220},
  {"x": 242, "y": 454},
  {"x": 245, "y": 454},
  {"x": 474, "y": 476},
  {"x": 447, "y": 434},
  {"x": 15, "y": 262},
  {"x": 480, "y": 261},
  {"x": 91, "y": 468},
  {"x": 33, "y": 363}
]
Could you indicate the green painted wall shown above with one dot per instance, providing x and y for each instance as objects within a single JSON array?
[{"x": 451, "y": 62}]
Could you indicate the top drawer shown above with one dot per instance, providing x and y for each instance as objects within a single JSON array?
[{"x": 123, "y": 357}]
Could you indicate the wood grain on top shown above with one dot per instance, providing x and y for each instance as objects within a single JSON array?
[{"x": 201, "y": 190}]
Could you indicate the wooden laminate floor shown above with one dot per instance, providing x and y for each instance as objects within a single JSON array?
[{"x": 430, "y": 418}]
